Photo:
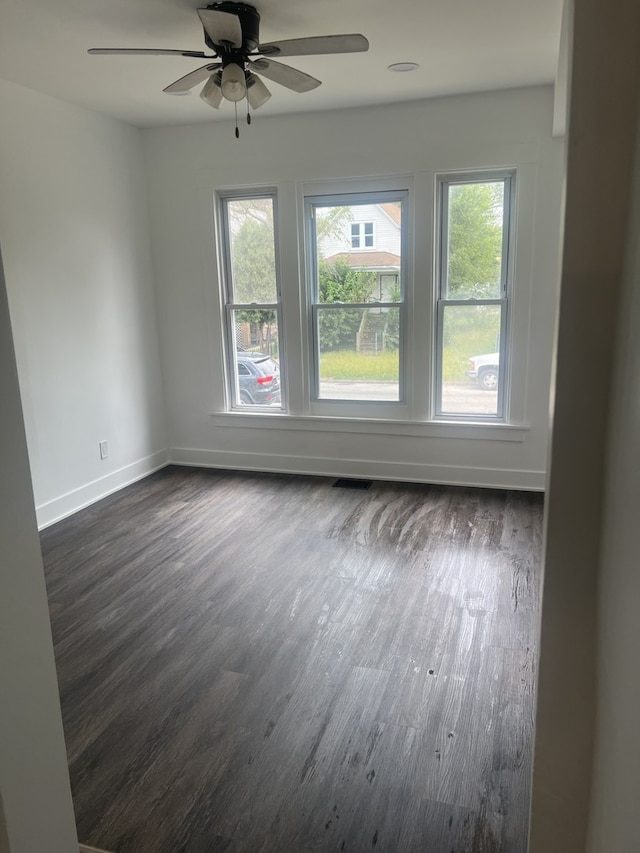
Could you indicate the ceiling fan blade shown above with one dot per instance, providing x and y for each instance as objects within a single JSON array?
[
  {"x": 222, "y": 26},
  {"x": 257, "y": 92},
  {"x": 211, "y": 92},
  {"x": 186, "y": 83},
  {"x": 285, "y": 75},
  {"x": 315, "y": 45},
  {"x": 139, "y": 51}
]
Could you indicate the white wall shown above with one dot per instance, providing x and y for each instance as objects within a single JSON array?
[
  {"x": 36, "y": 813},
  {"x": 73, "y": 226},
  {"x": 186, "y": 164},
  {"x": 616, "y": 788},
  {"x": 589, "y": 689}
]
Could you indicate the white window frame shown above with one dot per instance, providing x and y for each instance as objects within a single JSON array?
[
  {"x": 223, "y": 198},
  {"x": 442, "y": 299},
  {"x": 416, "y": 413},
  {"x": 370, "y": 194}
]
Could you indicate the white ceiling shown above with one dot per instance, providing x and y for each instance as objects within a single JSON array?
[{"x": 460, "y": 45}]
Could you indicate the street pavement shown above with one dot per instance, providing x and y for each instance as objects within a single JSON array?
[{"x": 464, "y": 398}]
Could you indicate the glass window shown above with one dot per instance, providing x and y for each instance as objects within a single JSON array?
[
  {"x": 361, "y": 235},
  {"x": 368, "y": 234},
  {"x": 349, "y": 325},
  {"x": 252, "y": 304},
  {"x": 356, "y": 301},
  {"x": 472, "y": 297}
]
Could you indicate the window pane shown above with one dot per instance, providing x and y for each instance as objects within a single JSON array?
[
  {"x": 359, "y": 353},
  {"x": 344, "y": 275},
  {"x": 256, "y": 371},
  {"x": 252, "y": 250},
  {"x": 368, "y": 234},
  {"x": 470, "y": 362},
  {"x": 389, "y": 288},
  {"x": 474, "y": 240}
]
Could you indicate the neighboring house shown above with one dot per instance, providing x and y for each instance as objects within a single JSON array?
[{"x": 370, "y": 240}]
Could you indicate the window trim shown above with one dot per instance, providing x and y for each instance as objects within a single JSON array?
[
  {"x": 468, "y": 430},
  {"x": 442, "y": 300}
]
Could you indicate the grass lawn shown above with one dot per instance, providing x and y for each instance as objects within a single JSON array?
[
  {"x": 456, "y": 362},
  {"x": 467, "y": 333},
  {"x": 346, "y": 364}
]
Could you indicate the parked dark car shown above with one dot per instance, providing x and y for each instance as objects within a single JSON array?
[{"x": 258, "y": 379}]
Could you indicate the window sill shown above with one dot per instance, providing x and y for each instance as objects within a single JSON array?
[{"x": 371, "y": 426}]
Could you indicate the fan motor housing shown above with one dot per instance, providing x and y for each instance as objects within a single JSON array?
[{"x": 249, "y": 21}]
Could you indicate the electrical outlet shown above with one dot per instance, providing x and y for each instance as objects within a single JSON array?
[{"x": 104, "y": 449}]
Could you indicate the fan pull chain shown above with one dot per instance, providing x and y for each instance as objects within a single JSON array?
[
  {"x": 237, "y": 129},
  {"x": 248, "y": 116}
]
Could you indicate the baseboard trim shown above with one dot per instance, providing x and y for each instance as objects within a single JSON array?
[
  {"x": 490, "y": 478},
  {"x": 77, "y": 499}
]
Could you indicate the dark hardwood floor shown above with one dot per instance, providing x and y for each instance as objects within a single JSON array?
[{"x": 261, "y": 663}]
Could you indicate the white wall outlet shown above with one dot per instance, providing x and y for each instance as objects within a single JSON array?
[{"x": 104, "y": 449}]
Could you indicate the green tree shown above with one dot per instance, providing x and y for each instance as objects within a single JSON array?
[
  {"x": 254, "y": 274},
  {"x": 475, "y": 231},
  {"x": 253, "y": 262},
  {"x": 392, "y": 340},
  {"x": 475, "y": 240},
  {"x": 338, "y": 282},
  {"x": 330, "y": 221}
]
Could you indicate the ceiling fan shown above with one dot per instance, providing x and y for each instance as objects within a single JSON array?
[{"x": 231, "y": 31}]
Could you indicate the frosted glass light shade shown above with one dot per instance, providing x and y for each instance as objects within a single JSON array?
[
  {"x": 211, "y": 92},
  {"x": 233, "y": 84},
  {"x": 257, "y": 92}
]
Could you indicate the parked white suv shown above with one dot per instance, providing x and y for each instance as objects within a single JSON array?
[{"x": 484, "y": 370}]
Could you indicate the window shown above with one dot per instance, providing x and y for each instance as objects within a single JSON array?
[
  {"x": 472, "y": 291},
  {"x": 362, "y": 235},
  {"x": 360, "y": 334},
  {"x": 357, "y": 312},
  {"x": 252, "y": 300}
]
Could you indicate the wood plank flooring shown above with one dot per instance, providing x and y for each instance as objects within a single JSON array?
[{"x": 263, "y": 663}]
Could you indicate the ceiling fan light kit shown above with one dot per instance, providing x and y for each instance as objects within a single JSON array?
[{"x": 231, "y": 31}]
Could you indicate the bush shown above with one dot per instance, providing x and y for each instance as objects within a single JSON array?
[{"x": 338, "y": 282}]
